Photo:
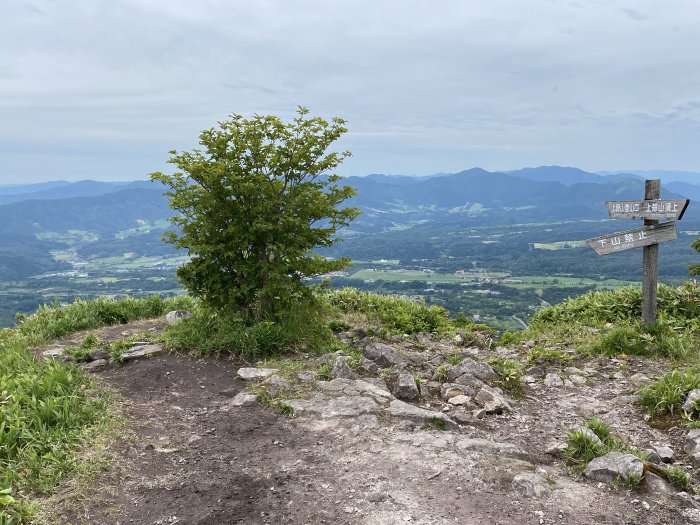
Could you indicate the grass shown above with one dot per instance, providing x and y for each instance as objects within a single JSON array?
[
  {"x": 50, "y": 411},
  {"x": 679, "y": 478},
  {"x": 508, "y": 375},
  {"x": 582, "y": 447},
  {"x": 667, "y": 394}
]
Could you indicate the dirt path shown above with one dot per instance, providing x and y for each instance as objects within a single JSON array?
[{"x": 191, "y": 458}]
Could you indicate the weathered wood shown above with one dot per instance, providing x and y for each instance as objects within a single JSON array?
[
  {"x": 653, "y": 209},
  {"x": 650, "y": 259},
  {"x": 639, "y": 237}
]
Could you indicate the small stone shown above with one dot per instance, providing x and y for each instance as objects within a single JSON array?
[
  {"x": 256, "y": 373},
  {"x": 404, "y": 386},
  {"x": 306, "y": 376},
  {"x": 691, "y": 400},
  {"x": 176, "y": 316},
  {"x": 94, "y": 366},
  {"x": 342, "y": 370},
  {"x": 376, "y": 497},
  {"x": 449, "y": 390},
  {"x": 535, "y": 371},
  {"x": 492, "y": 401},
  {"x": 639, "y": 378},
  {"x": 243, "y": 399},
  {"x": 367, "y": 367},
  {"x": 553, "y": 380},
  {"x": 578, "y": 380},
  {"x": 531, "y": 485},
  {"x": 277, "y": 385},
  {"x": 614, "y": 467},
  {"x": 556, "y": 449},
  {"x": 94, "y": 355},
  {"x": 470, "y": 367},
  {"x": 459, "y": 400},
  {"x": 142, "y": 351},
  {"x": 665, "y": 453},
  {"x": 528, "y": 380},
  {"x": 653, "y": 483},
  {"x": 692, "y": 441},
  {"x": 384, "y": 355},
  {"x": 458, "y": 340}
]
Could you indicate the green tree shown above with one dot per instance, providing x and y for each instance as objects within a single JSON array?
[
  {"x": 694, "y": 269},
  {"x": 252, "y": 204}
]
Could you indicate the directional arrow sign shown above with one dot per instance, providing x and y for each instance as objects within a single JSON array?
[
  {"x": 626, "y": 240},
  {"x": 648, "y": 209}
]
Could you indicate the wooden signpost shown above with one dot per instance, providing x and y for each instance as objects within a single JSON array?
[{"x": 652, "y": 209}]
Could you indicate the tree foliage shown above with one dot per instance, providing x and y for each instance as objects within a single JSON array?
[{"x": 252, "y": 203}]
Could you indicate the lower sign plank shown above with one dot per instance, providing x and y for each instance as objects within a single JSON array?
[{"x": 626, "y": 240}]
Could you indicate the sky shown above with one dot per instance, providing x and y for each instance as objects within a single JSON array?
[{"x": 104, "y": 89}]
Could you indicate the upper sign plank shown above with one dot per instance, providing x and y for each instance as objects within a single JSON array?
[
  {"x": 672, "y": 210},
  {"x": 626, "y": 240}
]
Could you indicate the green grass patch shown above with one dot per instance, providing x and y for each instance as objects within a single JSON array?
[
  {"x": 508, "y": 375},
  {"x": 667, "y": 394},
  {"x": 582, "y": 446}
]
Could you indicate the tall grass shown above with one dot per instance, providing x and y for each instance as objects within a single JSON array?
[{"x": 49, "y": 410}]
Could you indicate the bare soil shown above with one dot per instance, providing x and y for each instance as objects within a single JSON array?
[{"x": 188, "y": 457}]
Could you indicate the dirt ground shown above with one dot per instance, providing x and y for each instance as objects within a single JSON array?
[{"x": 190, "y": 458}]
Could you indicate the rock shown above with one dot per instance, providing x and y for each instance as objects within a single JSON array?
[
  {"x": 243, "y": 399},
  {"x": 94, "y": 366},
  {"x": 532, "y": 485},
  {"x": 556, "y": 449},
  {"x": 368, "y": 367},
  {"x": 98, "y": 353},
  {"x": 357, "y": 387},
  {"x": 590, "y": 435},
  {"x": 384, "y": 355},
  {"x": 690, "y": 402},
  {"x": 653, "y": 483},
  {"x": 614, "y": 467},
  {"x": 528, "y": 380},
  {"x": 177, "y": 315},
  {"x": 359, "y": 333},
  {"x": 378, "y": 382},
  {"x": 692, "y": 446},
  {"x": 535, "y": 371},
  {"x": 639, "y": 378},
  {"x": 342, "y": 370},
  {"x": 306, "y": 376},
  {"x": 472, "y": 368},
  {"x": 332, "y": 408},
  {"x": 665, "y": 453},
  {"x": 459, "y": 400},
  {"x": 53, "y": 353},
  {"x": 492, "y": 401},
  {"x": 256, "y": 373},
  {"x": 404, "y": 386},
  {"x": 573, "y": 371},
  {"x": 469, "y": 380},
  {"x": 578, "y": 380},
  {"x": 486, "y": 446},
  {"x": 142, "y": 351},
  {"x": 276, "y": 385},
  {"x": 652, "y": 456},
  {"x": 421, "y": 416},
  {"x": 449, "y": 390},
  {"x": 553, "y": 380}
]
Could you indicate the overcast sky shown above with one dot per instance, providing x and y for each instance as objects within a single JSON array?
[{"x": 103, "y": 89}]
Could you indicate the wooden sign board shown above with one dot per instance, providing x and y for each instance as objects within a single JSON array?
[
  {"x": 656, "y": 209},
  {"x": 626, "y": 240}
]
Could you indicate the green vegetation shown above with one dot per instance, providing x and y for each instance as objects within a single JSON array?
[
  {"x": 508, "y": 372},
  {"x": 252, "y": 205},
  {"x": 49, "y": 411},
  {"x": 582, "y": 447},
  {"x": 678, "y": 477},
  {"x": 668, "y": 393}
]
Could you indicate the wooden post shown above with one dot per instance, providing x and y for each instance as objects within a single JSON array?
[{"x": 650, "y": 261}]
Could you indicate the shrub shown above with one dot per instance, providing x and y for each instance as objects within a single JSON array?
[{"x": 509, "y": 373}]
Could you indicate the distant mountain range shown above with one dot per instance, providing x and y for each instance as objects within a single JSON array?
[{"x": 128, "y": 217}]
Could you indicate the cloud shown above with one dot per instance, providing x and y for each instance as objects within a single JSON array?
[{"x": 426, "y": 87}]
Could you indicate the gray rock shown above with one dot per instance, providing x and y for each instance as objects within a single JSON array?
[
  {"x": 332, "y": 408},
  {"x": 404, "y": 386},
  {"x": 421, "y": 416},
  {"x": 459, "y": 400},
  {"x": 535, "y": 371},
  {"x": 692, "y": 445},
  {"x": 665, "y": 453},
  {"x": 384, "y": 355},
  {"x": 486, "y": 446},
  {"x": 690, "y": 402},
  {"x": 589, "y": 434},
  {"x": 639, "y": 378},
  {"x": 528, "y": 380},
  {"x": 276, "y": 385},
  {"x": 470, "y": 367},
  {"x": 243, "y": 399},
  {"x": 492, "y": 401},
  {"x": 177, "y": 315},
  {"x": 378, "y": 382},
  {"x": 458, "y": 340},
  {"x": 306, "y": 376},
  {"x": 556, "y": 449},
  {"x": 138, "y": 351},
  {"x": 469, "y": 380},
  {"x": 553, "y": 380},
  {"x": 532, "y": 485},
  {"x": 94, "y": 366},
  {"x": 652, "y": 455},
  {"x": 573, "y": 371},
  {"x": 578, "y": 380},
  {"x": 256, "y": 373},
  {"x": 53, "y": 353},
  {"x": 357, "y": 387},
  {"x": 449, "y": 390},
  {"x": 614, "y": 467},
  {"x": 342, "y": 370},
  {"x": 653, "y": 483},
  {"x": 368, "y": 367},
  {"x": 99, "y": 353}
]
